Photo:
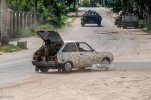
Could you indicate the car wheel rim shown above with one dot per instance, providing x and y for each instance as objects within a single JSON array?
[
  {"x": 68, "y": 66},
  {"x": 105, "y": 64}
]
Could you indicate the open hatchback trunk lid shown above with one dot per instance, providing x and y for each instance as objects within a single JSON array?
[
  {"x": 51, "y": 36},
  {"x": 53, "y": 43}
]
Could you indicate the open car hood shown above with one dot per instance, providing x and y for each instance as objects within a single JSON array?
[{"x": 52, "y": 36}]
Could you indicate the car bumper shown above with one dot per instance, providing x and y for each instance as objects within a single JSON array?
[
  {"x": 44, "y": 63},
  {"x": 51, "y": 64}
]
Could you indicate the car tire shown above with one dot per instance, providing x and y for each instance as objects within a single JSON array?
[
  {"x": 67, "y": 67},
  {"x": 105, "y": 63},
  {"x": 124, "y": 26},
  {"x": 44, "y": 69},
  {"x": 37, "y": 68},
  {"x": 82, "y": 24},
  {"x": 99, "y": 24},
  {"x": 136, "y": 25}
]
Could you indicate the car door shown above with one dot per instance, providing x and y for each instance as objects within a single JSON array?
[
  {"x": 86, "y": 54},
  {"x": 70, "y": 53}
]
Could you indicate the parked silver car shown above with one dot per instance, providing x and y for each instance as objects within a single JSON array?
[{"x": 69, "y": 55}]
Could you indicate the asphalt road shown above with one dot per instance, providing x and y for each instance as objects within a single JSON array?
[{"x": 17, "y": 66}]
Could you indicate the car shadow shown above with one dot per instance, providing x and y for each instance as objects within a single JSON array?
[
  {"x": 92, "y": 26},
  {"x": 130, "y": 28},
  {"x": 75, "y": 71},
  {"x": 109, "y": 33}
]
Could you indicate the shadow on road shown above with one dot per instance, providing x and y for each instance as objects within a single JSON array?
[
  {"x": 77, "y": 71},
  {"x": 93, "y": 26},
  {"x": 109, "y": 33}
]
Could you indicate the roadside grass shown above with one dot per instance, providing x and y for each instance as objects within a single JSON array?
[
  {"x": 144, "y": 25},
  {"x": 61, "y": 28},
  {"x": 148, "y": 26},
  {"x": 23, "y": 33},
  {"x": 9, "y": 48}
]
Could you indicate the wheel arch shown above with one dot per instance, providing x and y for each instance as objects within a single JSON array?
[{"x": 106, "y": 58}]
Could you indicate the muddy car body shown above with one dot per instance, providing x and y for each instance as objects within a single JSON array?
[
  {"x": 91, "y": 17},
  {"x": 70, "y": 55}
]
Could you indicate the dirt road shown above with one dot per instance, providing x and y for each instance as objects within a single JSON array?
[{"x": 128, "y": 79}]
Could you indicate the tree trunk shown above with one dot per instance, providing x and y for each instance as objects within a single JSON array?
[
  {"x": 74, "y": 4},
  {"x": 35, "y": 13}
]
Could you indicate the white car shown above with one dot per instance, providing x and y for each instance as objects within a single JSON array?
[{"x": 70, "y": 55}]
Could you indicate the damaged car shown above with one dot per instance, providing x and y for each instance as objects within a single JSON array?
[{"x": 57, "y": 54}]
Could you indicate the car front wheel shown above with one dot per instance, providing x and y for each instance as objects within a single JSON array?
[
  {"x": 67, "y": 67},
  {"x": 105, "y": 63},
  {"x": 99, "y": 24}
]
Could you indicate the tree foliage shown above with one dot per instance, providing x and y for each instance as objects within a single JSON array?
[{"x": 48, "y": 10}]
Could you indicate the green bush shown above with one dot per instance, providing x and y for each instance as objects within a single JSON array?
[
  {"x": 72, "y": 9},
  {"x": 54, "y": 14},
  {"x": 117, "y": 7},
  {"x": 145, "y": 25},
  {"x": 23, "y": 33},
  {"x": 9, "y": 48},
  {"x": 148, "y": 26},
  {"x": 45, "y": 27},
  {"x": 86, "y": 3}
]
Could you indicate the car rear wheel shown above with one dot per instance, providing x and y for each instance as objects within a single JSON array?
[
  {"x": 67, "y": 67},
  {"x": 105, "y": 63},
  {"x": 124, "y": 26},
  {"x": 36, "y": 68},
  {"x": 82, "y": 24},
  {"x": 99, "y": 24},
  {"x": 44, "y": 69}
]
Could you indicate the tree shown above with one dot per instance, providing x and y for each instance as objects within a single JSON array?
[
  {"x": 69, "y": 2},
  {"x": 46, "y": 9}
]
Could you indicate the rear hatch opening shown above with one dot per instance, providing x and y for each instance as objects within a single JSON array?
[{"x": 52, "y": 44}]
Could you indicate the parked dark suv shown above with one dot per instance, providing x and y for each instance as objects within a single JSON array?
[{"x": 91, "y": 17}]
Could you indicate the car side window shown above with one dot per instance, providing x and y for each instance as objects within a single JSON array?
[
  {"x": 83, "y": 47},
  {"x": 70, "y": 47}
]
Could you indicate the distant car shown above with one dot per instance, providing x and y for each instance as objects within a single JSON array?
[
  {"x": 130, "y": 21},
  {"x": 91, "y": 17},
  {"x": 68, "y": 55},
  {"x": 127, "y": 20}
]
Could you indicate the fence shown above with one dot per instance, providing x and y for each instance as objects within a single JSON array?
[{"x": 17, "y": 20}]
